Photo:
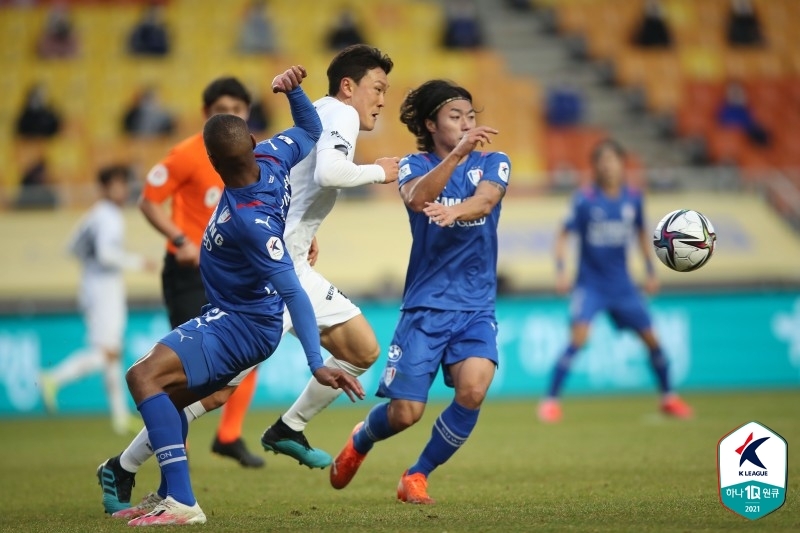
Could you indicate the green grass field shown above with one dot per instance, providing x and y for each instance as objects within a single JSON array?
[{"x": 612, "y": 465}]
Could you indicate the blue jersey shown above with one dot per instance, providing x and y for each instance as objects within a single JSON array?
[
  {"x": 454, "y": 267},
  {"x": 605, "y": 227},
  {"x": 243, "y": 242}
]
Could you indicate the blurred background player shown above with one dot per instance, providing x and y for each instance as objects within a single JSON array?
[
  {"x": 452, "y": 194},
  {"x": 249, "y": 280},
  {"x": 187, "y": 178},
  {"x": 605, "y": 217},
  {"x": 357, "y": 84},
  {"x": 98, "y": 243}
]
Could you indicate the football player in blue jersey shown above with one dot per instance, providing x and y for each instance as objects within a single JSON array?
[
  {"x": 605, "y": 217},
  {"x": 452, "y": 194},
  {"x": 248, "y": 277}
]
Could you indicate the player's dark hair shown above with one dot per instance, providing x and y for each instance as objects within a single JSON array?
[
  {"x": 354, "y": 62},
  {"x": 226, "y": 138},
  {"x": 607, "y": 144},
  {"x": 423, "y": 103},
  {"x": 227, "y": 86},
  {"x": 107, "y": 174}
]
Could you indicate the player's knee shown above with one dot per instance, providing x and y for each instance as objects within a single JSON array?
[
  {"x": 218, "y": 399},
  {"x": 364, "y": 357},
  {"x": 403, "y": 416},
  {"x": 471, "y": 397}
]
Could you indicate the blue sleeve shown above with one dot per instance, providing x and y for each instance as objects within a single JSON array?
[
  {"x": 304, "y": 114},
  {"x": 411, "y": 167},
  {"x": 639, "y": 217},
  {"x": 292, "y": 145},
  {"x": 302, "y": 313},
  {"x": 497, "y": 168}
]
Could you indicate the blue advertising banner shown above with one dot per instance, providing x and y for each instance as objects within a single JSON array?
[{"x": 724, "y": 341}]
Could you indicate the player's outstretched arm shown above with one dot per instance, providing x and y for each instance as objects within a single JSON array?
[
  {"x": 487, "y": 195},
  {"x": 651, "y": 284},
  {"x": 303, "y": 113},
  {"x": 560, "y": 252},
  {"x": 419, "y": 192},
  {"x": 305, "y": 325}
]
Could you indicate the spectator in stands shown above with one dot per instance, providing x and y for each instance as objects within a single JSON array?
[
  {"x": 256, "y": 35},
  {"x": 149, "y": 37},
  {"x": 345, "y": 32},
  {"x": 36, "y": 188},
  {"x": 462, "y": 28},
  {"x": 37, "y": 119},
  {"x": 564, "y": 106},
  {"x": 58, "y": 40},
  {"x": 735, "y": 113},
  {"x": 260, "y": 118},
  {"x": 147, "y": 117},
  {"x": 744, "y": 28},
  {"x": 653, "y": 31}
]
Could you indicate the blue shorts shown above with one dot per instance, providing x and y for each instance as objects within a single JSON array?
[
  {"x": 627, "y": 309},
  {"x": 426, "y": 339},
  {"x": 217, "y": 346}
]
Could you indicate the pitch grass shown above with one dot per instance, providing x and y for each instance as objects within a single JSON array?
[{"x": 613, "y": 464}]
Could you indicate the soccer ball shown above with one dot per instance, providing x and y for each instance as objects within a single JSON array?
[{"x": 684, "y": 240}]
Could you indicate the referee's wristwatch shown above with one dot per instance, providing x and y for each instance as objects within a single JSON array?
[{"x": 179, "y": 241}]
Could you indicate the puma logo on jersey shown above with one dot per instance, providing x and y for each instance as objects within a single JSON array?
[{"x": 265, "y": 222}]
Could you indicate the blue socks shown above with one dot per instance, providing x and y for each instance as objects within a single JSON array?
[
  {"x": 660, "y": 367},
  {"x": 376, "y": 427},
  {"x": 166, "y": 428},
  {"x": 450, "y": 431},
  {"x": 162, "y": 487},
  {"x": 561, "y": 370}
]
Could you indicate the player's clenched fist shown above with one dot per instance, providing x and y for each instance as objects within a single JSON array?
[
  {"x": 473, "y": 139},
  {"x": 390, "y": 167},
  {"x": 289, "y": 79}
]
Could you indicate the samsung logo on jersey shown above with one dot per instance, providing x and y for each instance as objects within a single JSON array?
[{"x": 458, "y": 223}]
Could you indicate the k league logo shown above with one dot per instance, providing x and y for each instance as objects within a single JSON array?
[{"x": 752, "y": 470}]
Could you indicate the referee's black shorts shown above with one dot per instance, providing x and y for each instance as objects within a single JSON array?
[{"x": 183, "y": 291}]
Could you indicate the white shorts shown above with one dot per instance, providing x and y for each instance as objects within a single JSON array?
[
  {"x": 105, "y": 311},
  {"x": 331, "y": 308}
]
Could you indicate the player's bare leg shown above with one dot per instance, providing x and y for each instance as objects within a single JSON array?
[
  {"x": 471, "y": 378},
  {"x": 354, "y": 349},
  {"x": 671, "y": 403},
  {"x": 549, "y": 410}
]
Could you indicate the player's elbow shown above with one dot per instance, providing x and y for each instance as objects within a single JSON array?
[{"x": 416, "y": 202}]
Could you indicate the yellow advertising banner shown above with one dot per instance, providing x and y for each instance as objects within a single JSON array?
[{"x": 364, "y": 246}]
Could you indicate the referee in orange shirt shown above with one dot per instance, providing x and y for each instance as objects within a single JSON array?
[{"x": 186, "y": 177}]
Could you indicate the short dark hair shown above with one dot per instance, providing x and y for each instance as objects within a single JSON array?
[
  {"x": 227, "y": 86},
  {"x": 354, "y": 62},
  {"x": 423, "y": 103},
  {"x": 107, "y": 174},
  {"x": 224, "y": 136},
  {"x": 607, "y": 144}
]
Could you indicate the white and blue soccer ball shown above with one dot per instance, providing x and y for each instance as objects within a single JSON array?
[{"x": 684, "y": 240}]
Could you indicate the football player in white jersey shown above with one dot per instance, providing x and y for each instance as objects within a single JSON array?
[
  {"x": 357, "y": 84},
  {"x": 98, "y": 243}
]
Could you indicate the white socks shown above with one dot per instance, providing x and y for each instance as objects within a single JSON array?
[
  {"x": 139, "y": 450},
  {"x": 316, "y": 397}
]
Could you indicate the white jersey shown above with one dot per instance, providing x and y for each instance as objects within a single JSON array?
[
  {"x": 98, "y": 243},
  {"x": 317, "y": 179}
]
